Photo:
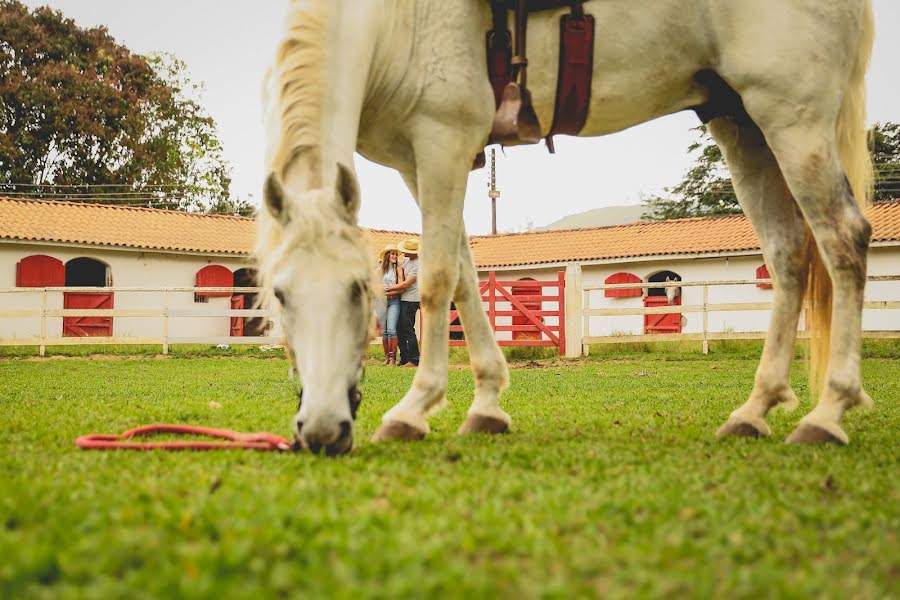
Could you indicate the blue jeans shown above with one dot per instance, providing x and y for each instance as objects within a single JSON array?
[
  {"x": 408, "y": 345},
  {"x": 389, "y": 327}
]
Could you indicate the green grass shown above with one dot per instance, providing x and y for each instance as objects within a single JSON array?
[
  {"x": 750, "y": 349},
  {"x": 611, "y": 484}
]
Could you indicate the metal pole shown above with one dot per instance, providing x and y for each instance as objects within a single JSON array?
[
  {"x": 493, "y": 192},
  {"x": 494, "y": 216}
]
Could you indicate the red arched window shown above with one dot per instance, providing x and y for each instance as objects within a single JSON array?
[
  {"x": 39, "y": 270},
  {"x": 762, "y": 272},
  {"x": 623, "y": 292},
  {"x": 214, "y": 276}
]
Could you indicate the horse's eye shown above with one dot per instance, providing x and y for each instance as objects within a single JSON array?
[
  {"x": 358, "y": 289},
  {"x": 354, "y": 396}
]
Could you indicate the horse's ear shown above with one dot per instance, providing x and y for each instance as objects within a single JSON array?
[
  {"x": 348, "y": 192},
  {"x": 273, "y": 196}
]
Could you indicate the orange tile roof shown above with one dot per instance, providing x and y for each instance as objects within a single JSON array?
[
  {"x": 121, "y": 226},
  {"x": 145, "y": 228},
  {"x": 154, "y": 229},
  {"x": 698, "y": 235}
]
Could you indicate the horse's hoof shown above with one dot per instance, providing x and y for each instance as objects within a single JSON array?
[
  {"x": 809, "y": 433},
  {"x": 755, "y": 428},
  {"x": 476, "y": 423},
  {"x": 865, "y": 401},
  {"x": 398, "y": 430}
]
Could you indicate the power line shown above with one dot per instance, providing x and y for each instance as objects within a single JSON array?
[{"x": 86, "y": 185}]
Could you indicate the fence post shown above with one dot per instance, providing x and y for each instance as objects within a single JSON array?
[
  {"x": 492, "y": 301},
  {"x": 574, "y": 309},
  {"x": 165, "y": 322},
  {"x": 43, "y": 348},
  {"x": 561, "y": 303},
  {"x": 585, "y": 321},
  {"x": 705, "y": 319}
]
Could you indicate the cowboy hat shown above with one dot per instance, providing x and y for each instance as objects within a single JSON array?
[
  {"x": 386, "y": 249},
  {"x": 409, "y": 246}
]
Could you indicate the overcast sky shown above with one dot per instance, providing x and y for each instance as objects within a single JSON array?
[{"x": 227, "y": 44}]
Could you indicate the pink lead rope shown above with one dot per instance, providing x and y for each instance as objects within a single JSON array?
[{"x": 247, "y": 441}]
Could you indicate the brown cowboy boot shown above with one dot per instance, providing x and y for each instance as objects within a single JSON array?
[
  {"x": 386, "y": 344},
  {"x": 392, "y": 345}
]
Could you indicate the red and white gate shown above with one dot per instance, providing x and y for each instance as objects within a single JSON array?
[{"x": 524, "y": 302}]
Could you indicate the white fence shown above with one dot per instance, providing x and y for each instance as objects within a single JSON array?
[
  {"x": 579, "y": 313},
  {"x": 705, "y": 308},
  {"x": 164, "y": 313}
]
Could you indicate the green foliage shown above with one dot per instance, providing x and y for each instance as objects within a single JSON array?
[
  {"x": 706, "y": 189},
  {"x": 83, "y": 118},
  {"x": 885, "y": 141},
  {"x": 611, "y": 485}
]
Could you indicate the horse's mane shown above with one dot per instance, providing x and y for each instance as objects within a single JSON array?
[{"x": 294, "y": 88}]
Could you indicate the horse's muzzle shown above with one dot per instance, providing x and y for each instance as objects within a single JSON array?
[{"x": 333, "y": 442}]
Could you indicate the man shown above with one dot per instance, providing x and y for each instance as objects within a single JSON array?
[{"x": 409, "y": 304}]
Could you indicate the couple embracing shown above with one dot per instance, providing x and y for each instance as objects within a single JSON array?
[{"x": 396, "y": 309}]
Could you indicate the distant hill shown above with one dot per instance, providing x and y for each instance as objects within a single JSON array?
[{"x": 598, "y": 217}]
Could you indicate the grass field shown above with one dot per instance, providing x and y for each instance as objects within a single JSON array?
[{"x": 611, "y": 484}]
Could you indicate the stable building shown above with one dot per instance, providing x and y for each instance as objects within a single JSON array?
[
  {"x": 82, "y": 246},
  {"x": 65, "y": 244},
  {"x": 716, "y": 249}
]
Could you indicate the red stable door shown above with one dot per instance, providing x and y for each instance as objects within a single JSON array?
[
  {"x": 237, "y": 323},
  {"x": 667, "y": 323},
  {"x": 87, "y": 326}
]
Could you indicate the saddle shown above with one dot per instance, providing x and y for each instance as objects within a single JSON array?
[{"x": 515, "y": 121}]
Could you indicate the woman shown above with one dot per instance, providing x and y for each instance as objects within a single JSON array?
[{"x": 387, "y": 305}]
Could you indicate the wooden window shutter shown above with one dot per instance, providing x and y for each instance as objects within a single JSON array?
[
  {"x": 762, "y": 272},
  {"x": 623, "y": 292},
  {"x": 39, "y": 270},
  {"x": 214, "y": 276}
]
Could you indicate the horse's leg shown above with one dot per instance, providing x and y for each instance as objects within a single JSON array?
[
  {"x": 809, "y": 159},
  {"x": 488, "y": 363},
  {"x": 440, "y": 187},
  {"x": 779, "y": 224}
]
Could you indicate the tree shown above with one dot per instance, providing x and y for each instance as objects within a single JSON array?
[
  {"x": 885, "y": 144},
  {"x": 82, "y": 117},
  {"x": 706, "y": 188}
]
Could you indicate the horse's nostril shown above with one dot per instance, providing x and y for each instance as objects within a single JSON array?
[
  {"x": 314, "y": 447},
  {"x": 346, "y": 428},
  {"x": 299, "y": 427}
]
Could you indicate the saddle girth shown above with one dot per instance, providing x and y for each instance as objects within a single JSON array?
[{"x": 515, "y": 121}]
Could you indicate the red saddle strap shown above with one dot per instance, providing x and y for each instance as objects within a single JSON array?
[{"x": 235, "y": 439}]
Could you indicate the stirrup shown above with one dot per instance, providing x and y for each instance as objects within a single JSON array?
[{"x": 516, "y": 122}]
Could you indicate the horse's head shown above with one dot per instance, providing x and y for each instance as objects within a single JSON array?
[
  {"x": 671, "y": 292},
  {"x": 313, "y": 261}
]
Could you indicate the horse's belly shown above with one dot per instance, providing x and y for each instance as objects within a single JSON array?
[{"x": 644, "y": 63}]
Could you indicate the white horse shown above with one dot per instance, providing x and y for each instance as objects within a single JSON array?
[
  {"x": 672, "y": 292},
  {"x": 404, "y": 84}
]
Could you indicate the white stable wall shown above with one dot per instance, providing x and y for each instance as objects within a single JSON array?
[
  {"x": 129, "y": 269},
  {"x": 160, "y": 269}
]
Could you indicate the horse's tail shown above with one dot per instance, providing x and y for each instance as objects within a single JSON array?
[{"x": 852, "y": 142}]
